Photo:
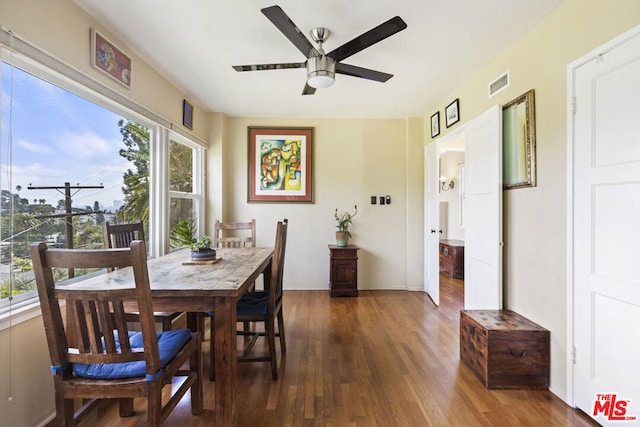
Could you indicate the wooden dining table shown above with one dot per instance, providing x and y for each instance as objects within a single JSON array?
[{"x": 178, "y": 285}]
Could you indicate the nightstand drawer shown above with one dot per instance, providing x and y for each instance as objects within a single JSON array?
[{"x": 344, "y": 253}]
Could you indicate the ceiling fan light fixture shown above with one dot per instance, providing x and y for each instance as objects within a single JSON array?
[
  {"x": 320, "y": 81},
  {"x": 320, "y": 72}
]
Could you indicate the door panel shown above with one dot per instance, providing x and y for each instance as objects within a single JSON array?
[
  {"x": 431, "y": 221},
  {"x": 606, "y": 236},
  {"x": 483, "y": 219}
]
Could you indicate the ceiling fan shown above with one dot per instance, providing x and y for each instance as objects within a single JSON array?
[{"x": 321, "y": 67}]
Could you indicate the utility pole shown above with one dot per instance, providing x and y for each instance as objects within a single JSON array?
[{"x": 67, "y": 203}]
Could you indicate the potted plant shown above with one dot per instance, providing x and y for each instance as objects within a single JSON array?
[
  {"x": 185, "y": 233},
  {"x": 344, "y": 221}
]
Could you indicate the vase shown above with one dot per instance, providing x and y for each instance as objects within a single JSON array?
[
  {"x": 342, "y": 238},
  {"x": 203, "y": 254}
]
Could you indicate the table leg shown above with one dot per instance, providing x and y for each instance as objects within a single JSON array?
[{"x": 226, "y": 362}]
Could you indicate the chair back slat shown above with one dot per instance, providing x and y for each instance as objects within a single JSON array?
[
  {"x": 121, "y": 235},
  {"x": 226, "y": 234},
  {"x": 99, "y": 325},
  {"x": 277, "y": 265}
]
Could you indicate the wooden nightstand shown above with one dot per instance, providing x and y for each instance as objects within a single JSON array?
[{"x": 343, "y": 270}]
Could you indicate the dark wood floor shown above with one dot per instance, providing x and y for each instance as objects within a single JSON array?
[{"x": 386, "y": 358}]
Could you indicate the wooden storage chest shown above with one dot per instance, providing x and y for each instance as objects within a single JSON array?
[{"x": 504, "y": 349}]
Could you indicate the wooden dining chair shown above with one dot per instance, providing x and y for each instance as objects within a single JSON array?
[
  {"x": 105, "y": 360},
  {"x": 264, "y": 307},
  {"x": 229, "y": 234},
  {"x": 121, "y": 236},
  {"x": 234, "y": 235}
]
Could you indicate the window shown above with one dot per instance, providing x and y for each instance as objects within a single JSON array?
[
  {"x": 185, "y": 160},
  {"x": 70, "y": 160}
]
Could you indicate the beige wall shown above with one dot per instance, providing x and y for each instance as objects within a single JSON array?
[
  {"x": 352, "y": 161},
  {"x": 535, "y": 218}
]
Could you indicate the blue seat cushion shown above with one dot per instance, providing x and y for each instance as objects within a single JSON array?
[
  {"x": 169, "y": 344},
  {"x": 253, "y": 303}
]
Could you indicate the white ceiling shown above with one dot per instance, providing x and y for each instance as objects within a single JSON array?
[{"x": 194, "y": 43}]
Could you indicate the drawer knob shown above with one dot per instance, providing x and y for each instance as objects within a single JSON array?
[{"x": 523, "y": 354}]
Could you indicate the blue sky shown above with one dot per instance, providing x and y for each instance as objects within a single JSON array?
[{"x": 59, "y": 137}]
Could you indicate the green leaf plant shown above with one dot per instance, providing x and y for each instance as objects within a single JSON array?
[
  {"x": 345, "y": 220},
  {"x": 185, "y": 233}
]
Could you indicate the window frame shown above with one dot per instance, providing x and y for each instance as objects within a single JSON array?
[
  {"x": 26, "y": 306},
  {"x": 197, "y": 193}
]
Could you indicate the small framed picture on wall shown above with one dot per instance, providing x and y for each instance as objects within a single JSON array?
[
  {"x": 187, "y": 114},
  {"x": 452, "y": 113},
  {"x": 435, "y": 124}
]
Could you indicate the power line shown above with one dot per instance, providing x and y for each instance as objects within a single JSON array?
[{"x": 67, "y": 202}]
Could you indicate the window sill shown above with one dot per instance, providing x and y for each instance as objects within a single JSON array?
[{"x": 19, "y": 312}]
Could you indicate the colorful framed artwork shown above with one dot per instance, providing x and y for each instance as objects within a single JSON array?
[
  {"x": 452, "y": 113},
  {"x": 187, "y": 114},
  {"x": 519, "y": 142},
  {"x": 435, "y": 124},
  {"x": 109, "y": 59},
  {"x": 280, "y": 164}
]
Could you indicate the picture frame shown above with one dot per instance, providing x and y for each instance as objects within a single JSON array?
[
  {"x": 519, "y": 142},
  {"x": 452, "y": 113},
  {"x": 280, "y": 164},
  {"x": 435, "y": 124},
  {"x": 110, "y": 60},
  {"x": 187, "y": 114}
]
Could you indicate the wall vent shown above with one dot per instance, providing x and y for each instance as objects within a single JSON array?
[{"x": 499, "y": 84}]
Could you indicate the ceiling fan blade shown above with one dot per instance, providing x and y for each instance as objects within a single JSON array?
[
  {"x": 262, "y": 67},
  {"x": 365, "y": 73},
  {"x": 276, "y": 15},
  {"x": 308, "y": 90},
  {"x": 369, "y": 38}
]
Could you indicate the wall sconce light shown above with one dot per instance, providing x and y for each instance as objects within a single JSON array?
[{"x": 446, "y": 184}]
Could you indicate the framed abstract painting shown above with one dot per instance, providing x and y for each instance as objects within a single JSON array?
[{"x": 280, "y": 164}]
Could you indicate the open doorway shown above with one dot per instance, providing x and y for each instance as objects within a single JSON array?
[
  {"x": 477, "y": 215},
  {"x": 451, "y": 213}
]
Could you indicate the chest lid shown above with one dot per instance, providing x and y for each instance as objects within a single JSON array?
[{"x": 504, "y": 322}]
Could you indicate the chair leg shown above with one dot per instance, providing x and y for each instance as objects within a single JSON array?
[
  {"x": 126, "y": 407},
  {"x": 246, "y": 326},
  {"x": 65, "y": 411},
  {"x": 283, "y": 345},
  {"x": 271, "y": 337},
  {"x": 154, "y": 403}
]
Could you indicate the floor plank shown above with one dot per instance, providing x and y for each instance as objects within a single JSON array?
[{"x": 386, "y": 358}]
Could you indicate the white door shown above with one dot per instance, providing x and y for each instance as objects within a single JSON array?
[
  {"x": 483, "y": 216},
  {"x": 431, "y": 221},
  {"x": 606, "y": 234}
]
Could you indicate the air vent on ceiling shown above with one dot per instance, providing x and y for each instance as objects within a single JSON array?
[{"x": 499, "y": 84}]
